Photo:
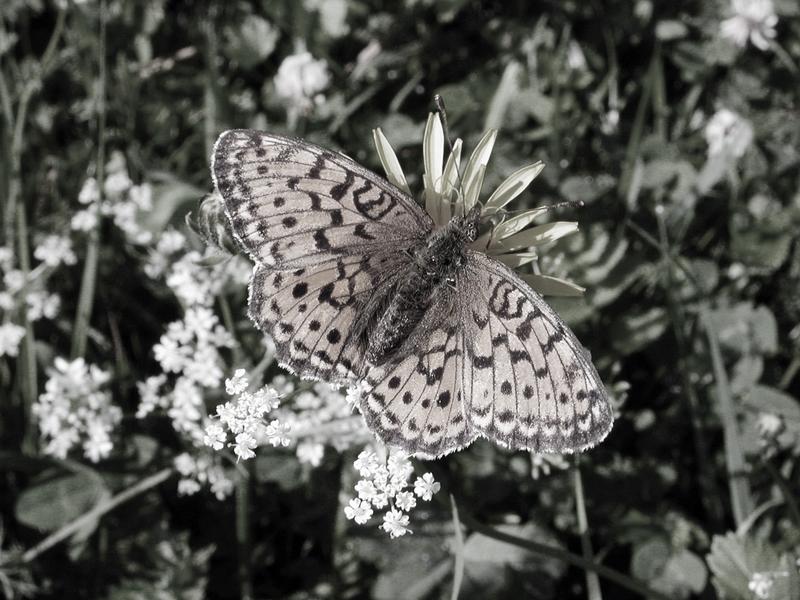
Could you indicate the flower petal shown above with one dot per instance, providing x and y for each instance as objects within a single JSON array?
[
  {"x": 552, "y": 286},
  {"x": 479, "y": 158},
  {"x": 513, "y": 186},
  {"x": 536, "y": 236},
  {"x": 516, "y": 259},
  {"x": 394, "y": 172}
]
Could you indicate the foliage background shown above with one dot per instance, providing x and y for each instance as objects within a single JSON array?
[{"x": 689, "y": 257}]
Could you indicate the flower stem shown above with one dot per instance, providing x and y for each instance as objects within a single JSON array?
[
  {"x": 592, "y": 580},
  {"x": 89, "y": 278}
]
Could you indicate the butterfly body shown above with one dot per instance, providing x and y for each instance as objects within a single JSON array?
[
  {"x": 356, "y": 285},
  {"x": 435, "y": 263}
]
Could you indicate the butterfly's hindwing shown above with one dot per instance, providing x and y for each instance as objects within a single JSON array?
[
  {"x": 417, "y": 403},
  {"x": 534, "y": 386},
  {"x": 309, "y": 312},
  {"x": 293, "y": 204}
]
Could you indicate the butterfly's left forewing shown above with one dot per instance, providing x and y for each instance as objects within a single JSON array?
[{"x": 327, "y": 237}]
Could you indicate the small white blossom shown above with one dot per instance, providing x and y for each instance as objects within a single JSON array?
[
  {"x": 215, "y": 436},
  {"x": 10, "y": 337},
  {"x": 728, "y": 133},
  {"x": 300, "y": 78},
  {"x": 170, "y": 242},
  {"x": 42, "y": 305},
  {"x": 769, "y": 424},
  {"x": 149, "y": 396},
  {"x": 6, "y": 258},
  {"x": 405, "y": 501},
  {"x": 542, "y": 464},
  {"x": 761, "y": 585},
  {"x": 14, "y": 280},
  {"x": 116, "y": 184},
  {"x": 90, "y": 192},
  {"x": 310, "y": 453},
  {"x": 141, "y": 196},
  {"x": 236, "y": 384},
  {"x": 358, "y": 511},
  {"x": 54, "y": 250},
  {"x": 753, "y": 20},
  {"x": 425, "y": 487},
  {"x": 395, "y": 523},
  {"x": 84, "y": 220},
  {"x": 366, "y": 463}
]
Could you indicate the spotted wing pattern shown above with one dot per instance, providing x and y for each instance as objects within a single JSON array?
[
  {"x": 293, "y": 204},
  {"x": 533, "y": 383},
  {"x": 506, "y": 368},
  {"x": 419, "y": 403}
]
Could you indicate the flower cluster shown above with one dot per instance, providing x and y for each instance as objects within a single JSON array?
[
  {"x": 321, "y": 416},
  {"x": 121, "y": 200},
  {"x": 190, "y": 349},
  {"x": 74, "y": 409},
  {"x": 197, "y": 472},
  {"x": 244, "y": 418},
  {"x": 385, "y": 486}
]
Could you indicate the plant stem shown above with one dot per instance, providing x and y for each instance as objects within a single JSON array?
[
  {"x": 621, "y": 579},
  {"x": 89, "y": 278},
  {"x": 788, "y": 496},
  {"x": 741, "y": 499},
  {"x": 94, "y": 514},
  {"x": 637, "y": 130},
  {"x": 592, "y": 580},
  {"x": 710, "y": 496},
  {"x": 243, "y": 532},
  {"x": 30, "y": 385}
]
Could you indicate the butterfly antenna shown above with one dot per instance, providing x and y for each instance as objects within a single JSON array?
[
  {"x": 439, "y": 103},
  {"x": 566, "y": 204}
]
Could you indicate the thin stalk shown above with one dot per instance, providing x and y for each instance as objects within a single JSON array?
[
  {"x": 243, "y": 532},
  {"x": 741, "y": 499},
  {"x": 30, "y": 385},
  {"x": 592, "y": 580},
  {"x": 632, "y": 151},
  {"x": 620, "y": 579},
  {"x": 660, "y": 108},
  {"x": 86, "y": 295},
  {"x": 788, "y": 495},
  {"x": 95, "y": 513},
  {"x": 710, "y": 496}
]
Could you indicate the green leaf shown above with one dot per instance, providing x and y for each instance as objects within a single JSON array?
[
  {"x": 637, "y": 331},
  {"x": 394, "y": 172},
  {"x": 513, "y": 186},
  {"x": 650, "y": 558},
  {"x": 734, "y": 560},
  {"x": 586, "y": 189},
  {"x": 767, "y": 399},
  {"x": 50, "y": 505}
]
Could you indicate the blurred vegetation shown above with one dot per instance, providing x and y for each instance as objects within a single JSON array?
[{"x": 690, "y": 259}]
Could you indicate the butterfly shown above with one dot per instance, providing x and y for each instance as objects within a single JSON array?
[{"x": 358, "y": 287}]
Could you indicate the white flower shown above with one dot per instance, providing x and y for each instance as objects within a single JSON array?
[
  {"x": 90, "y": 192},
  {"x": 54, "y": 250},
  {"x": 236, "y": 384},
  {"x": 188, "y": 487},
  {"x": 425, "y": 487},
  {"x": 141, "y": 196},
  {"x": 541, "y": 464},
  {"x": 395, "y": 523},
  {"x": 10, "y": 337},
  {"x": 366, "y": 489},
  {"x": 6, "y": 301},
  {"x": 753, "y": 20},
  {"x": 74, "y": 409},
  {"x": 310, "y": 453},
  {"x": 761, "y": 585},
  {"x": 366, "y": 463},
  {"x": 149, "y": 396},
  {"x": 575, "y": 58},
  {"x": 405, "y": 501},
  {"x": 84, "y": 220},
  {"x": 6, "y": 258},
  {"x": 728, "y": 133},
  {"x": 358, "y": 511},
  {"x": 170, "y": 242},
  {"x": 41, "y": 304},
  {"x": 14, "y": 280},
  {"x": 769, "y": 424},
  {"x": 300, "y": 78},
  {"x": 116, "y": 184},
  {"x": 215, "y": 436},
  {"x": 245, "y": 443}
]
